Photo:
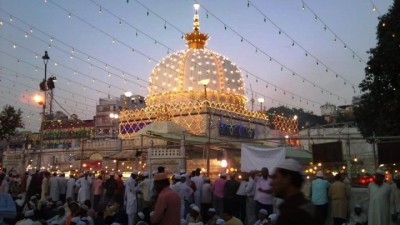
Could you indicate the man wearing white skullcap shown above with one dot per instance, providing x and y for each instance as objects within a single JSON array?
[
  {"x": 319, "y": 196},
  {"x": 287, "y": 180},
  {"x": 379, "y": 198}
]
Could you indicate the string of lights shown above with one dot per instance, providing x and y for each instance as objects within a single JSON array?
[
  {"x": 283, "y": 67},
  {"x": 284, "y": 91},
  {"x": 56, "y": 95},
  {"x": 72, "y": 55},
  {"x": 38, "y": 80},
  {"x": 307, "y": 52},
  {"x": 375, "y": 9},
  {"x": 270, "y": 58},
  {"x": 59, "y": 75},
  {"x": 336, "y": 38}
]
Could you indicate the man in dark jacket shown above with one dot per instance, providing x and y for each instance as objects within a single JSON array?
[
  {"x": 287, "y": 180},
  {"x": 110, "y": 185}
]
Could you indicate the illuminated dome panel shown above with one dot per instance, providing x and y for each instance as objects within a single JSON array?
[{"x": 183, "y": 71}]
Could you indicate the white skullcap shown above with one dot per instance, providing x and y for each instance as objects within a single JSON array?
[
  {"x": 154, "y": 172},
  {"x": 111, "y": 173},
  {"x": 357, "y": 206},
  {"x": 292, "y": 165},
  {"x": 320, "y": 174},
  {"x": 220, "y": 222},
  {"x": 212, "y": 210},
  {"x": 263, "y": 211},
  {"x": 380, "y": 171},
  {"x": 196, "y": 208},
  {"x": 29, "y": 213},
  {"x": 177, "y": 176},
  {"x": 223, "y": 174},
  {"x": 273, "y": 218},
  {"x": 141, "y": 215},
  {"x": 182, "y": 171},
  {"x": 135, "y": 171}
]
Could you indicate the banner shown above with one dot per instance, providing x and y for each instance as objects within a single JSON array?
[{"x": 255, "y": 158}]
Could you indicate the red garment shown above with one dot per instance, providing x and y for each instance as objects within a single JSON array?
[{"x": 167, "y": 208}]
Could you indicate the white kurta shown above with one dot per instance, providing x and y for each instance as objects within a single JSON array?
[
  {"x": 198, "y": 181},
  {"x": 131, "y": 190},
  {"x": 70, "y": 188},
  {"x": 379, "y": 198},
  {"x": 184, "y": 193},
  {"x": 54, "y": 189},
  {"x": 45, "y": 188},
  {"x": 84, "y": 188},
  {"x": 395, "y": 202}
]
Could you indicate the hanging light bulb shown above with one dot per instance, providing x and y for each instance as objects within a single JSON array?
[
  {"x": 100, "y": 10},
  {"x": 11, "y": 18},
  {"x": 69, "y": 15},
  {"x": 373, "y": 8}
]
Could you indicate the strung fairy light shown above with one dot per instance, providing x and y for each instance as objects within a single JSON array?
[
  {"x": 26, "y": 35},
  {"x": 14, "y": 45},
  {"x": 113, "y": 41},
  {"x": 11, "y": 18},
  {"x": 1, "y": 22},
  {"x": 120, "y": 22},
  {"x": 373, "y": 8},
  {"x": 69, "y": 15},
  {"x": 100, "y": 10},
  {"x": 51, "y": 39}
]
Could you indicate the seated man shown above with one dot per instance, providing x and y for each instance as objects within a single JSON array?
[{"x": 358, "y": 217}]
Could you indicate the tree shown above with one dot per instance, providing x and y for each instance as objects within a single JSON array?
[
  {"x": 379, "y": 109},
  {"x": 10, "y": 120},
  {"x": 302, "y": 116}
]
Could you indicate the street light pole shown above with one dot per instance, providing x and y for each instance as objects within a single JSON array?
[
  {"x": 261, "y": 101},
  {"x": 43, "y": 87},
  {"x": 205, "y": 82},
  {"x": 113, "y": 117}
]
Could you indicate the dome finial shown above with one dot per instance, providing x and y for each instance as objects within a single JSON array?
[
  {"x": 195, "y": 39},
  {"x": 196, "y": 22}
]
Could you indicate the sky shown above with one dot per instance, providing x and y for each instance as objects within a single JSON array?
[{"x": 297, "y": 53}]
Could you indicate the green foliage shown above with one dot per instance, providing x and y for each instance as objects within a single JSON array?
[
  {"x": 379, "y": 110},
  {"x": 10, "y": 120},
  {"x": 302, "y": 116}
]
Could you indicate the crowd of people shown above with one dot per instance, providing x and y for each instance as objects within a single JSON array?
[{"x": 259, "y": 198}]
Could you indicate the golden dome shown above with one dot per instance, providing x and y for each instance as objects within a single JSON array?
[{"x": 180, "y": 76}]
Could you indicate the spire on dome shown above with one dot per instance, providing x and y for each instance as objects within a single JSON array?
[{"x": 196, "y": 39}]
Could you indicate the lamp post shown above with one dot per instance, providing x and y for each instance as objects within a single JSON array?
[
  {"x": 43, "y": 87},
  {"x": 127, "y": 94},
  {"x": 205, "y": 82},
  {"x": 113, "y": 117},
  {"x": 261, "y": 101}
]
